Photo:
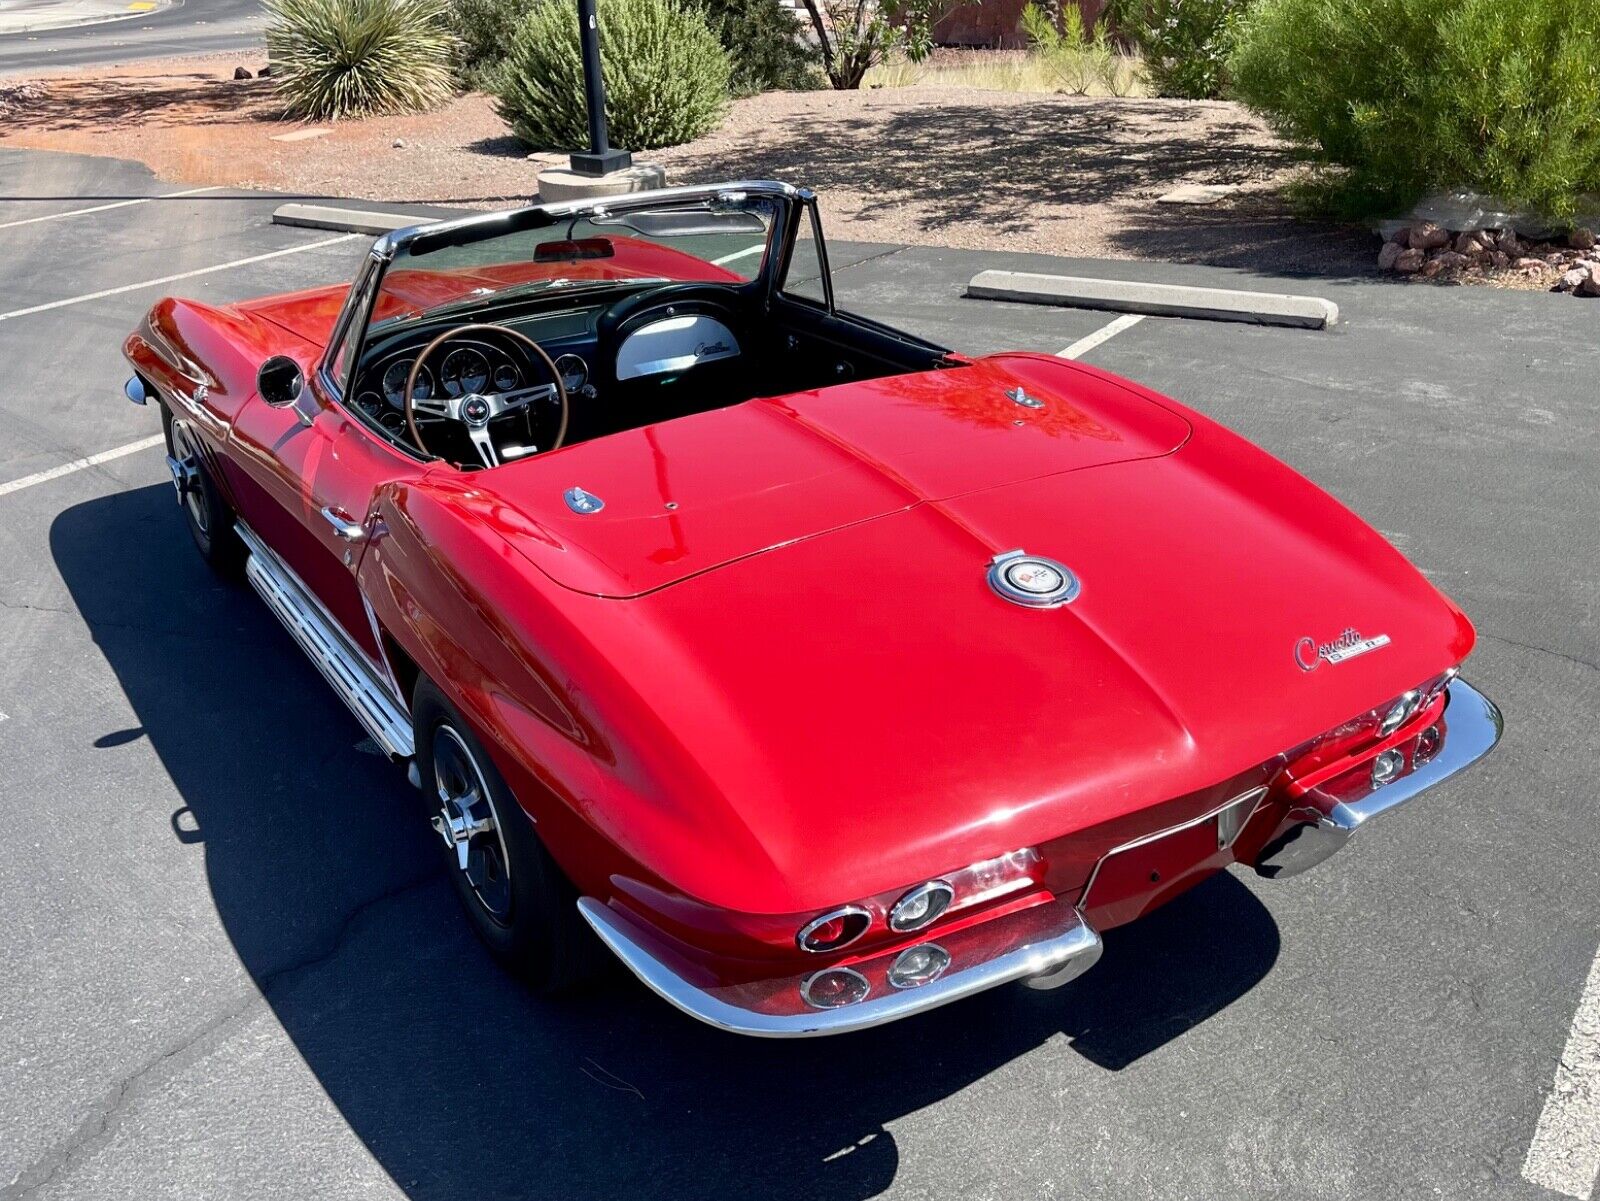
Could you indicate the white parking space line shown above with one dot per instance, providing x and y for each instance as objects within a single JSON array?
[
  {"x": 1565, "y": 1153},
  {"x": 1104, "y": 334},
  {"x": 167, "y": 279},
  {"x": 739, "y": 254},
  {"x": 105, "y": 456},
  {"x": 101, "y": 208}
]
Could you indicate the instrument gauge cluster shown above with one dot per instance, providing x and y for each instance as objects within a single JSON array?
[
  {"x": 464, "y": 371},
  {"x": 394, "y": 383},
  {"x": 574, "y": 372}
]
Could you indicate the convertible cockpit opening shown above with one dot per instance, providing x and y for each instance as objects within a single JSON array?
[{"x": 504, "y": 336}]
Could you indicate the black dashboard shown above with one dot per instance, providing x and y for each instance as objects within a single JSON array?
[
  {"x": 631, "y": 353},
  {"x": 475, "y": 362}
]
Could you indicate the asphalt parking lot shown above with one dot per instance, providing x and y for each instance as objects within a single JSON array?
[{"x": 229, "y": 969}]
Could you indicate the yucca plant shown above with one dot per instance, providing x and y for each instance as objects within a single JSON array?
[{"x": 357, "y": 58}]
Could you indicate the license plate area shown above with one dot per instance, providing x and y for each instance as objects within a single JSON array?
[{"x": 1140, "y": 874}]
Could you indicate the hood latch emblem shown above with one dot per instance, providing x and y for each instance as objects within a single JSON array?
[
  {"x": 581, "y": 500},
  {"x": 1018, "y": 396}
]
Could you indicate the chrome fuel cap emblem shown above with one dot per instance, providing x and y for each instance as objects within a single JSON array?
[
  {"x": 581, "y": 500},
  {"x": 1032, "y": 580}
]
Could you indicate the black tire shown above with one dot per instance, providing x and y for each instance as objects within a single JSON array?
[
  {"x": 529, "y": 920},
  {"x": 206, "y": 514}
]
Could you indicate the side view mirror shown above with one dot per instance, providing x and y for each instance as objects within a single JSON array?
[{"x": 280, "y": 381}]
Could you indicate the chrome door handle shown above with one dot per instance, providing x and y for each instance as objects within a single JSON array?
[{"x": 343, "y": 527}]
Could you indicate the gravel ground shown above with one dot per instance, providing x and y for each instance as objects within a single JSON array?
[{"x": 923, "y": 165}]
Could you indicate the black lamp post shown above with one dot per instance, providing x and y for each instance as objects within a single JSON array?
[{"x": 601, "y": 159}]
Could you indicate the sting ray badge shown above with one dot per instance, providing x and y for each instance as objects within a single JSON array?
[{"x": 1309, "y": 654}]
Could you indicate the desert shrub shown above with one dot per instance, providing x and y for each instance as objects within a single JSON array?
[
  {"x": 854, "y": 36},
  {"x": 666, "y": 75},
  {"x": 351, "y": 58},
  {"x": 1075, "y": 59},
  {"x": 1408, "y": 96},
  {"x": 762, "y": 40},
  {"x": 764, "y": 43},
  {"x": 484, "y": 29},
  {"x": 1184, "y": 43}
]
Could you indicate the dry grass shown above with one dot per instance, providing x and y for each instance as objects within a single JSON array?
[{"x": 998, "y": 71}]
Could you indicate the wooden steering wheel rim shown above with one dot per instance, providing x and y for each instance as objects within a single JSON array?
[{"x": 479, "y": 326}]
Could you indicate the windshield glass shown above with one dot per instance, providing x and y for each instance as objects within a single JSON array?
[{"x": 714, "y": 239}]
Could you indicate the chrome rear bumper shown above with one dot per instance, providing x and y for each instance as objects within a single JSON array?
[
  {"x": 1473, "y": 727},
  {"x": 1048, "y": 945}
]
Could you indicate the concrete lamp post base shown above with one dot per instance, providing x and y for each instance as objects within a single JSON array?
[{"x": 556, "y": 185}]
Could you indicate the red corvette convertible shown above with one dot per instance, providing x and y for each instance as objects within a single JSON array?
[{"x": 822, "y": 674}]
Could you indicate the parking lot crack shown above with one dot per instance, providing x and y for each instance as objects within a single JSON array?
[
  {"x": 1542, "y": 650},
  {"x": 101, "y": 1124}
]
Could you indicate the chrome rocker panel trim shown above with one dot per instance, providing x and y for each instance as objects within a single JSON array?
[
  {"x": 356, "y": 680},
  {"x": 1473, "y": 727},
  {"x": 1048, "y": 944}
]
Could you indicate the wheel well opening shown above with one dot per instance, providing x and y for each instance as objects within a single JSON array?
[{"x": 401, "y": 664}]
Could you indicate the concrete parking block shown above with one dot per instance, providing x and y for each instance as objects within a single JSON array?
[
  {"x": 355, "y": 221},
  {"x": 1156, "y": 300}
]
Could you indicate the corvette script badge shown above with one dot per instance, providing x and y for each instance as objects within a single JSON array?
[{"x": 1308, "y": 653}]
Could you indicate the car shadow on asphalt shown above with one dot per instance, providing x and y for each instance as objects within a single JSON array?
[{"x": 458, "y": 1081}]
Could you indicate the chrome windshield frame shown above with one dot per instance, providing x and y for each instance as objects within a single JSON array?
[
  {"x": 480, "y": 226},
  {"x": 355, "y": 317}
]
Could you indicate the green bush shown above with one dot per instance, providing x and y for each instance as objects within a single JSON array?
[
  {"x": 1075, "y": 59},
  {"x": 763, "y": 41},
  {"x": 484, "y": 29},
  {"x": 1184, "y": 43},
  {"x": 666, "y": 75},
  {"x": 1498, "y": 96},
  {"x": 352, "y": 58}
]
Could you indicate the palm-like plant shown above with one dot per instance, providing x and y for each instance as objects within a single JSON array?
[{"x": 353, "y": 58}]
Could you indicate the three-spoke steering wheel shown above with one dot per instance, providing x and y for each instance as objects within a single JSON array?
[{"x": 475, "y": 410}]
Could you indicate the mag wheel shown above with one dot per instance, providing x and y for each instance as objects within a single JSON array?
[
  {"x": 519, "y": 902},
  {"x": 469, "y": 824},
  {"x": 207, "y": 515}
]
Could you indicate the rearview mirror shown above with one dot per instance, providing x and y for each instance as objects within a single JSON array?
[{"x": 280, "y": 381}]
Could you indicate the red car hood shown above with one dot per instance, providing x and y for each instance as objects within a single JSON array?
[
  {"x": 690, "y": 495},
  {"x": 855, "y": 710},
  {"x": 863, "y": 712}
]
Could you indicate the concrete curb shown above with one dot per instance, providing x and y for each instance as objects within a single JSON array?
[
  {"x": 352, "y": 221},
  {"x": 1155, "y": 300}
]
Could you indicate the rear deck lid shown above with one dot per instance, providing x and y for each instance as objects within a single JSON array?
[{"x": 687, "y": 496}]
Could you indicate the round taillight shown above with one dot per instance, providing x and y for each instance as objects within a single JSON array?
[
  {"x": 919, "y": 965},
  {"x": 1428, "y": 744},
  {"x": 834, "y": 930},
  {"x": 1387, "y": 766},
  {"x": 921, "y": 906},
  {"x": 1399, "y": 713},
  {"x": 834, "y": 987}
]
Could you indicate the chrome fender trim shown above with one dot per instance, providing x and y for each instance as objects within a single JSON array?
[
  {"x": 1474, "y": 727},
  {"x": 1050, "y": 942},
  {"x": 358, "y": 682}
]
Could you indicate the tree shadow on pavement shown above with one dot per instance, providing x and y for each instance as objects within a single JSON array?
[{"x": 459, "y": 1082}]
